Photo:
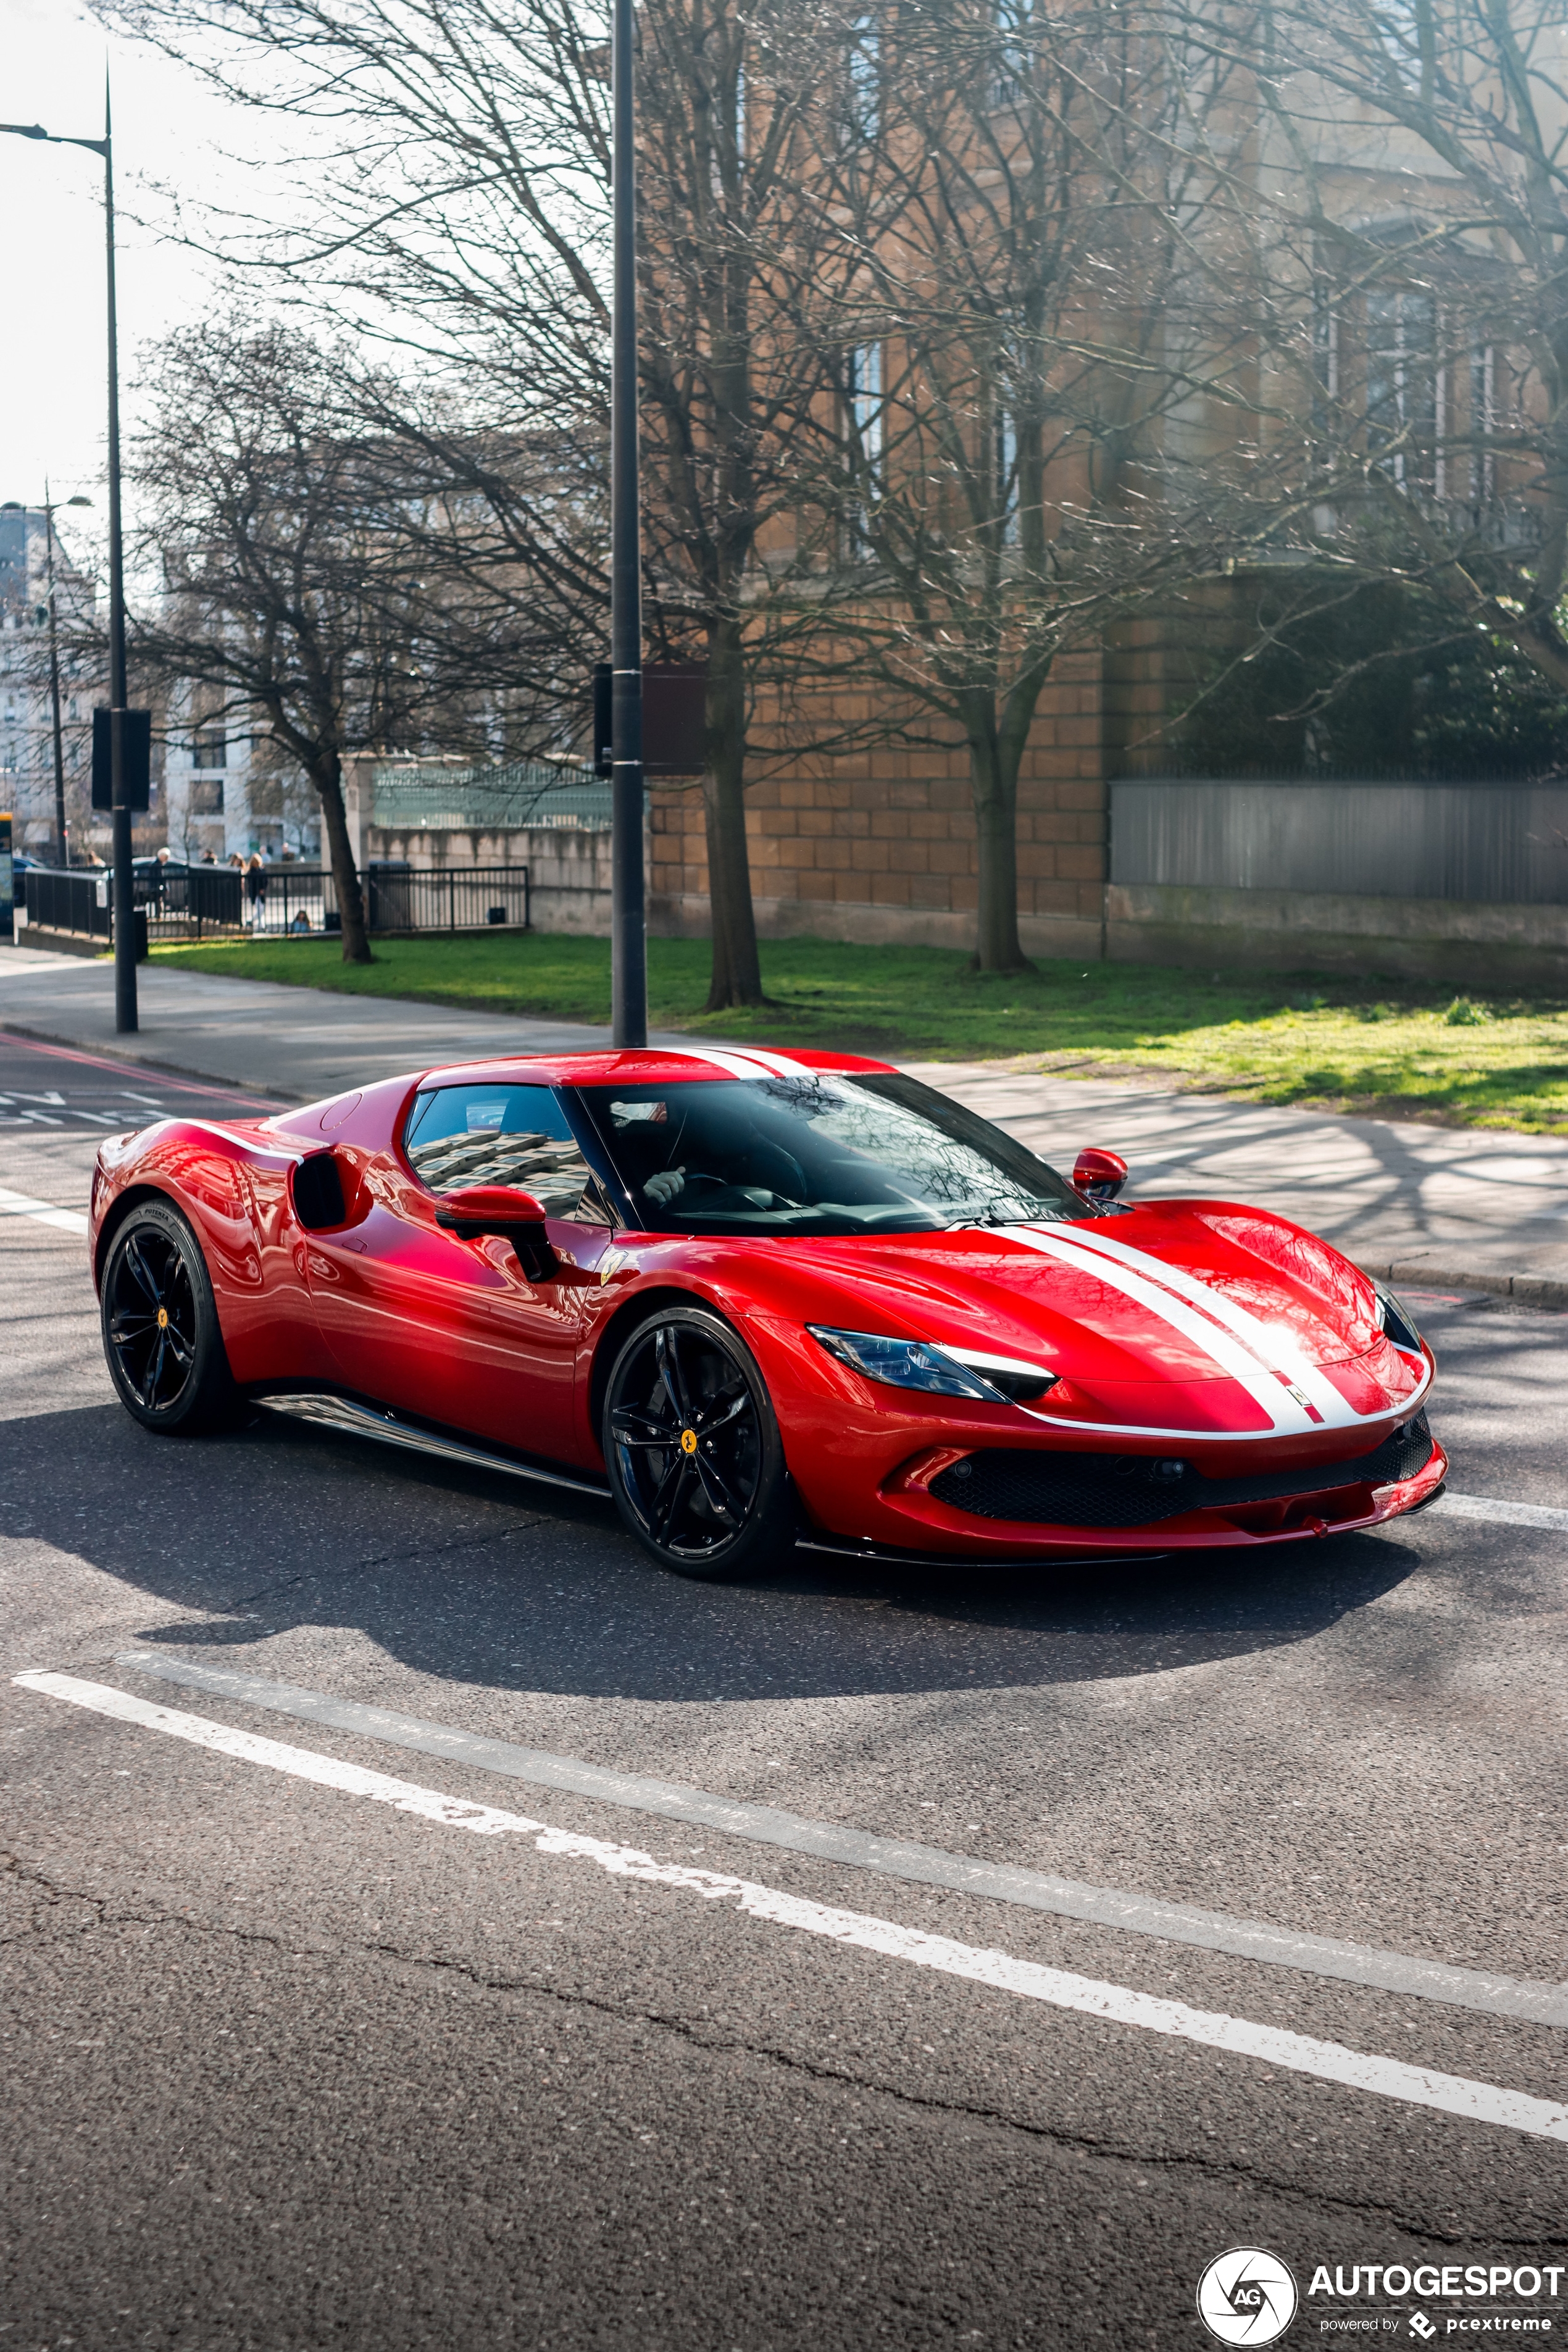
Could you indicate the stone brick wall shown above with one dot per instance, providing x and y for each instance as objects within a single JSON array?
[{"x": 880, "y": 844}]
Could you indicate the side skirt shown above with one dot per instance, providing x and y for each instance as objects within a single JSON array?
[
  {"x": 344, "y": 1414},
  {"x": 887, "y": 1556},
  {"x": 368, "y": 1420}
]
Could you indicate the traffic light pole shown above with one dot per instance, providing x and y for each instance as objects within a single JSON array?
[
  {"x": 124, "y": 872},
  {"x": 628, "y": 958},
  {"x": 124, "y": 875}
]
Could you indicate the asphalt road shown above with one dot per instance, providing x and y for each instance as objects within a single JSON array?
[{"x": 291, "y": 2059}]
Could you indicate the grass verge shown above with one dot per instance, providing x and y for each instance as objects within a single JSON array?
[{"x": 1378, "y": 1046}]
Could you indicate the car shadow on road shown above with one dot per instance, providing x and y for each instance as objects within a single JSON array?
[{"x": 474, "y": 1579}]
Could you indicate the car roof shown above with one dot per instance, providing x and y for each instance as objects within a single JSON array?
[{"x": 647, "y": 1066}]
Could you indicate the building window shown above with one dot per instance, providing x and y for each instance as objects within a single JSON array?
[
  {"x": 210, "y": 749},
  {"x": 1401, "y": 382},
  {"x": 864, "y": 417},
  {"x": 205, "y": 796},
  {"x": 863, "y": 109},
  {"x": 1483, "y": 412},
  {"x": 1008, "y": 63},
  {"x": 1005, "y": 475}
]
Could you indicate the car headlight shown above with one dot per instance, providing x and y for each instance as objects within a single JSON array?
[
  {"x": 905, "y": 1363},
  {"x": 1397, "y": 1322}
]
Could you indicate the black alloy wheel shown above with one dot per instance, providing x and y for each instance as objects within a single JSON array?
[
  {"x": 695, "y": 1459},
  {"x": 161, "y": 1333}
]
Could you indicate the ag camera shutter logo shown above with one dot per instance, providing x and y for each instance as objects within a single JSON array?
[{"x": 1247, "y": 2296}]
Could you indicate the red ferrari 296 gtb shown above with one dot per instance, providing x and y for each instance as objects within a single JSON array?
[{"x": 760, "y": 1299}]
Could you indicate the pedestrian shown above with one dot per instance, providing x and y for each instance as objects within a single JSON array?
[{"x": 255, "y": 891}]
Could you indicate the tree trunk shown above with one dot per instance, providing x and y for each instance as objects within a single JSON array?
[
  {"x": 328, "y": 780},
  {"x": 994, "y": 780},
  {"x": 737, "y": 977}
]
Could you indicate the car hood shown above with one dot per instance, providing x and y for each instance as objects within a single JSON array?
[{"x": 1194, "y": 1315}]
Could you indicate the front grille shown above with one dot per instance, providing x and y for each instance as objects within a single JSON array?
[{"x": 1126, "y": 1490}]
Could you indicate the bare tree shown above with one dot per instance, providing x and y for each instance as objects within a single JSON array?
[
  {"x": 996, "y": 487},
  {"x": 330, "y": 573},
  {"x": 1396, "y": 252},
  {"x": 460, "y": 211}
]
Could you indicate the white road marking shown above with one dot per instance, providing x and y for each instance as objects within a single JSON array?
[
  {"x": 1512, "y": 1515},
  {"x": 1300, "y": 2053},
  {"x": 43, "y": 1212},
  {"x": 835, "y": 1841}
]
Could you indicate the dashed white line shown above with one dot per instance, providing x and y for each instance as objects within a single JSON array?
[
  {"x": 1511, "y": 1515},
  {"x": 43, "y": 1212},
  {"x": 1300, "y": 2053}
]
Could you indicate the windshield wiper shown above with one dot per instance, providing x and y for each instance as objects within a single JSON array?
[{"x": 987, "y": 1213}]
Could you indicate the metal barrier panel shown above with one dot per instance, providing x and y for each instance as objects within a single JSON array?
[
  {"x": 293, "y": 901},
  {"x": 302, "y": 900},
  {"x": 1501, "y": 845},
  {"x": 66, "y": 899},
  {"x": 450, "y": 898}
]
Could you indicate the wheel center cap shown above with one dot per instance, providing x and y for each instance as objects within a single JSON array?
[
  {"x": 162, "y": 1318},
  {"x": 688, "y": 1441}
]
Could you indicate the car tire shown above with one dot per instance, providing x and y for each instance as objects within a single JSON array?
[
  {"x": 692, "y": 1445},
  {"x": 161, "y": 1332}
]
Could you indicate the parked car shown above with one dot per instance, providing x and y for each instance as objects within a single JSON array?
[{"x": 760, "y": 1299}]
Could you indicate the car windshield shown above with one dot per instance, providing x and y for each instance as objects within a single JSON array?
[{"x": 815, "y": 1155}]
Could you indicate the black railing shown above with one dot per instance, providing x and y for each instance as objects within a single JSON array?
[
  {"x": 291, "y": 901},
  {"x": 58, "y": 900},
  {"x": 457, "y": 898}
]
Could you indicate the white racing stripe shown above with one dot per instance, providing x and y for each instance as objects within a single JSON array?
[
  {"x": 734, "y": 1065},
  {"x": 1276, "y": 1348},
  {"x": 752, "y": 1063},
  {"x": 784, "y": 1065},
  {"x": 1329, "y": 2062},
  {"x": 42, "y": 1212},
  {"x": 1286, "y": 1417}
]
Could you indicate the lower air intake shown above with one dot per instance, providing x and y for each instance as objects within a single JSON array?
[{"x": 1136, "y": 1490}]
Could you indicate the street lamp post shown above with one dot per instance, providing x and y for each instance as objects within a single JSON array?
[
  {"x": 125, "y": 883},
  {"x": 628, "y": 958},
  {"x": 62, "y": 838}
]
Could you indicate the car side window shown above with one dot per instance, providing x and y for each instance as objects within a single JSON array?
[{"x": 458, "y": 1135}]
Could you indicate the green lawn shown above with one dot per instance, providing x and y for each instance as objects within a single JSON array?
[{"x": 1348, "y": 1044}]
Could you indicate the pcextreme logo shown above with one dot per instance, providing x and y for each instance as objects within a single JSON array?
[{"x": 1247, "y": 2296}]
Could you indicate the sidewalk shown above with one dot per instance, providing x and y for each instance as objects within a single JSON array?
[
  {"x": 1450, "y": 1208},
  {"x": 295, "y": 1043},
  {"x": 1435, "y": 1207}
]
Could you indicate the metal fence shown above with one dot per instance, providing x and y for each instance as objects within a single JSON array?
[
  {"x": 1496, "y": 844},
  {"x": 67, "y": 901},
  {"x": 294, "y": 901}
]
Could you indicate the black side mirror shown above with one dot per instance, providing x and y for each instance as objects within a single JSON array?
[{"x": 502, "y": 1209}]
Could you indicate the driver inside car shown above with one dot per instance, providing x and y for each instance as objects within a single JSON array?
[{"x": 727, "y": 1144}]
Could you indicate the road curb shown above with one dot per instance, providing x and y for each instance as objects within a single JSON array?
[
  {"x": 112, "y": 1052},
  {"x": 1529, "y": 1289}
]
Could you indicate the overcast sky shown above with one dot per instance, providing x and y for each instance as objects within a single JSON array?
[{"x": 166, "y": 129}]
